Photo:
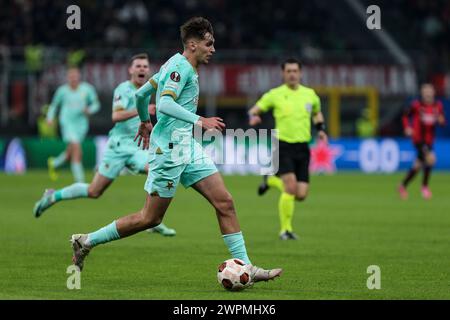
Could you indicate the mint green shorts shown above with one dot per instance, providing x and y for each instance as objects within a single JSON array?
[
  {"x": 122, "y": 153},
  {"x": 167, "y": 170},
  {"x": 74, "y": 132}
]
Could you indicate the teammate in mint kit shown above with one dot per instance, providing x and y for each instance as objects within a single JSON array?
[
  {"x": 176, "y": 104},
  {"x": 77, "y": 101},
  {"x": 121, "y": 151}
]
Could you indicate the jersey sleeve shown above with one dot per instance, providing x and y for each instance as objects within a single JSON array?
[
  {"x": 56, "y": 102},
  {"x": 265, "y": 103},
  {"x": 143, "y": 96},
  {"x": 316, "y": 107},
  {"x": 120, "y": 100},
  {"x": 175, "y": 79},
  {"x": 92, "y": 100},
  {"x": 154, "y": 80}
]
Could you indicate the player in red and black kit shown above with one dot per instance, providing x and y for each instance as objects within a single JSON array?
[{"x": 419, "y": 122}]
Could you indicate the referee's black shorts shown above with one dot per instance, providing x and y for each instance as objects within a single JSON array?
[{"x": 294, "y": 158}]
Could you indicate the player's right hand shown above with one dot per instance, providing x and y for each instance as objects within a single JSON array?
[
  {"x": 144, "y": 134},
  {"x": 408, "y": 131},
  {"x": 254, "y": 120},
  {"x": 213, "y": 123}
]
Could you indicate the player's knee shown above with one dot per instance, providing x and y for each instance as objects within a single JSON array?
[
  {"x": 430, "y": 161},
  {"x": 301, "y": 196},
  {"x": 291, "y": 189},
  {"x": 150, "y": 221}
]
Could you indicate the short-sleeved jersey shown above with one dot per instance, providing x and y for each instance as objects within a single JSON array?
[
  {"x": 424, "y": 119},
  {"x": 179, "y": 79},
  {"x": 292, "y": 110},
  {"x": 124, "y": 99},
  {"x": 73, "y": 102}
]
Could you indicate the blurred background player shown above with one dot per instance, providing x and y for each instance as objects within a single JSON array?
[
  {"x": 419, "y": 123},
  {"x": 77, "y": 101},
  {"x": 176, "y": 105},
  {"x": 292, "y": 105},
  {"x": 122, "y": 152}
]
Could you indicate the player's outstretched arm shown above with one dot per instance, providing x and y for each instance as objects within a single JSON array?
[
  {"x": 406, "y": 123},
  {"x": 253, "y": 115},
  {"x": 143, "y": 96},
  {"x": 94, "y": 104},
  {"x": 170, "y": 108},
  {"x": 123, "y": 115},
  {"x": 56, "y": 102}
]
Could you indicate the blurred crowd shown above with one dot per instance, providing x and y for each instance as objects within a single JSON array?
[
  {"x": 150, "y": 24},
  {"x": 315, "y": 29},
  {"x": 310, "y": 27}
]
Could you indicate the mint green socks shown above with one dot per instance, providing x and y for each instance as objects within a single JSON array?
[
  {"x": 60, "y": 159},
  {"x": 76, "y": 190},
  {"x": 103, "y": 235},
  {"x": 236, "y": 246},
  {"x": 77, "y": 171}
]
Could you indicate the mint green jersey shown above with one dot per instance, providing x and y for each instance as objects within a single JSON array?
[
  {"x": 124, "y": 99},
  {"x": 73, "y": 103},
  {"x": 179, "y": 79}
]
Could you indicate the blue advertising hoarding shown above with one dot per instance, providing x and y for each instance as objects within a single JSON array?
[{"x": 373, "y": 155}]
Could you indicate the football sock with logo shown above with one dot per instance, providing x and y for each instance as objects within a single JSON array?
[
  {"x": 76, "y": 190},
  {"x": 77, "y": 171},
  {"x": 286, "y": 211},
  {"x": 275, "y": 182},
  {"x": 236, "y": 245},
  {"x": 103, "y": 235}
]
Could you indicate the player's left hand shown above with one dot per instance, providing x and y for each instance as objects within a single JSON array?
[
  {"x": 323, "y": 136},
  {"x": 144, "y": 134},
  {"x": 86, "y": 111}
]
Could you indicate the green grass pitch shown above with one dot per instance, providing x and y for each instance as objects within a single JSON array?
[{"x": 350, "y": 221}]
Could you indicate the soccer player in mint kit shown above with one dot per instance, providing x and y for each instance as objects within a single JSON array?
[
  {"x": 176, "y": 104},
  {"x": 77, "y": 101},
  {"x": 121, "y": 151}
]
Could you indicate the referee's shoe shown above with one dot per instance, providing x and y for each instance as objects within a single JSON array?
[
  {"x": 263, "y": 187},
  {"x": 287, "y": 235}
]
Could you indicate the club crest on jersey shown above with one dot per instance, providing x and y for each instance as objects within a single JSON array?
[{"x": 175, "y": 76}]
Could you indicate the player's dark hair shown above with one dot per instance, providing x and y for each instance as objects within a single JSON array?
[
  {"x": 289, "y": 61},
  {"x": 137, "y": 57},
  {"x": 196, "y": 28}
]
